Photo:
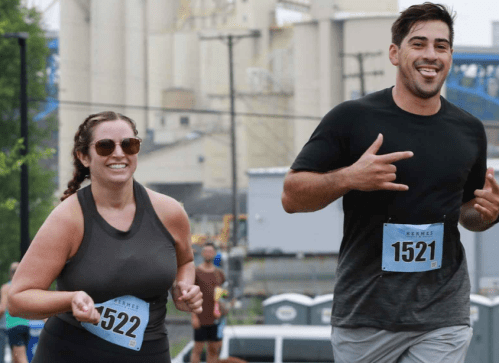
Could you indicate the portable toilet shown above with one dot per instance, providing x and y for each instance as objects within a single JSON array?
[
  {"x": 320, "y": 310},
  {"x": 484, "y": 319},
  {"x": 288, "y": 308}
]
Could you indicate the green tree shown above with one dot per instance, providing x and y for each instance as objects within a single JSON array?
[{"x": 15, "y": 18}]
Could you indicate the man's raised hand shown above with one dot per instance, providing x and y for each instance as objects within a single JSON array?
[
  {"x": 487, "y": 199},
  {"x": 376, "y": 172}
]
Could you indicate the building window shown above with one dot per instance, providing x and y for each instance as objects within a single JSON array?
[{"x": 184, "y": 120}]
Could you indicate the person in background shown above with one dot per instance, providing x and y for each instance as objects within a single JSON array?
[
  {"x": 3, "y": 338},
  {"x": 205, "y": 324},
  {"x": 410, "y": 166},
  {"x": 17, "y": 328},
  {"x": 115, "y": 249}
]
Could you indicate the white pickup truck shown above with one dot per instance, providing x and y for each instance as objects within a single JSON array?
[{"x": 272, "y": 343}]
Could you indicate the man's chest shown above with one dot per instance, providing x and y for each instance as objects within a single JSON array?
[{"x": 441, "y": 151}]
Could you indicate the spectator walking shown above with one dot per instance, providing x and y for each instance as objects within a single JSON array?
[{"x": 207, "y": 327}]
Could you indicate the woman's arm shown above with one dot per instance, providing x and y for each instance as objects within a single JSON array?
[
  {"x": 187, "y": 296},
  {"x": 57, "y": 240}
]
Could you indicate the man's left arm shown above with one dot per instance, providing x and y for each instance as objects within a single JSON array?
[{"x": 482, "y": 212}]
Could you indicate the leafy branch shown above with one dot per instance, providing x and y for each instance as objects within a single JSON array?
[{"x": 12, "y": 160}]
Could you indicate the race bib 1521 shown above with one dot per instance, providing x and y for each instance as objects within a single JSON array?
[{"x": 412, "y": 247}]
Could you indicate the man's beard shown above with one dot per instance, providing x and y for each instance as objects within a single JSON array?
[
  {"x": 415, "y": 86},
  {"x": 426, "y": 94}
]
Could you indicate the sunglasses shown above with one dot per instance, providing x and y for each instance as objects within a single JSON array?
[{"x": 105, "y": 147}]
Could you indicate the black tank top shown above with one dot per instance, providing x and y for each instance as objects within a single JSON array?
[{"x": 111, "y": 263}]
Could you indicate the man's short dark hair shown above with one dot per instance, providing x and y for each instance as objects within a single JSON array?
[
  {"x": 417, "y": 13},
  {"x": 209, "y": 244}
]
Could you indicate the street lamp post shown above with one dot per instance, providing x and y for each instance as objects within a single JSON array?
[{"x": 21, "y": 38}]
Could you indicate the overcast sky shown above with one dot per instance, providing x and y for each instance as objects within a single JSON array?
[{"x": 473, "y": 25}]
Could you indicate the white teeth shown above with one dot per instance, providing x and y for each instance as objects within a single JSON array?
[{"x": 117, "y": 166}]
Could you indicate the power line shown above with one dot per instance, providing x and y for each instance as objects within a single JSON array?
[{"x": 185, "y": 110}]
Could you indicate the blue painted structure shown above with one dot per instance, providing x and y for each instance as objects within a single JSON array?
[
  {"x": 478, "y": 92},
  {"x": 52, "y": 102}
]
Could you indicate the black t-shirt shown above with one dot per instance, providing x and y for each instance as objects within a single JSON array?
[{"x": 448, "y": 165}]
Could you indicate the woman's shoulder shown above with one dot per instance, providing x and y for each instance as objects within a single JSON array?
[
  {"x": 63, "y": 227},
  {"x": 69, "y": 210},
  {"x": 166, "y": 207},
  {"x": 164, "y": 201},
  {"x": 67, "y": 218}
]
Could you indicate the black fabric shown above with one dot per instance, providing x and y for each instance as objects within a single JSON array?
[
  {"x": 18, "y": 335},
  {"x": 61, "y": 342},
  {"x": 112, "y": 263},
  {"x": 449, "y": 164},
  {"x": 207, "y": 333}
]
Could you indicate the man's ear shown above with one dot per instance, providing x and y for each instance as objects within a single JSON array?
[
  {"x": 393, "y": 54},
  {"x": 84, "y": 159}
]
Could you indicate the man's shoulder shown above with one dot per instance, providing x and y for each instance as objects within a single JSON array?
[
  {"x": 350, "y": 108},
  {"x": 461, "y": 114}
]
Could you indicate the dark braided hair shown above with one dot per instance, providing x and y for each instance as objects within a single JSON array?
[{"x": 82, "y": 140}]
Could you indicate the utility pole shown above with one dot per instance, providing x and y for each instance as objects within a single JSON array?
[
  {"x": 21, "y": 39},
  {"x": 362, "y": 74},
  {"x": 229, "y": 40}
]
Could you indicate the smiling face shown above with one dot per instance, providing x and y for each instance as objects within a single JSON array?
[
  {"x": 423, "y": 59},
  {"x": 118, "y": 167}
]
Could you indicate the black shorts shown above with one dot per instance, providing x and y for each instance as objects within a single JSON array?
[
  {"x": 18, "y": 336},
  {"x": 61, "y": 342},
  {"x": 207, "y": 333}
]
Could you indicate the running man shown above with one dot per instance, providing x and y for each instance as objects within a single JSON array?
[
  {"x": 206, "y": 328},
  {"x": 409, "y": 165},
  {"x": 17, "y": 328}
]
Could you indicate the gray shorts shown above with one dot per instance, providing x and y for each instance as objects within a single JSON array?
[{"x": 370, "y": 345}]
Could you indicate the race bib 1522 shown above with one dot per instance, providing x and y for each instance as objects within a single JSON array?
[{"x": 123, "y": 321}]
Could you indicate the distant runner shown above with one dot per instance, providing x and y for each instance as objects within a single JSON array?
[
  {"x": 207, "y": 327},
  {"x": 17, "y": 328}
]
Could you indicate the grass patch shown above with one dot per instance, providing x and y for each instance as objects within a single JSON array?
[
  {"x": 172, "y": 310},
  {"x": 249, "y": 316},
  {"x": 177, "y": 347}
]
